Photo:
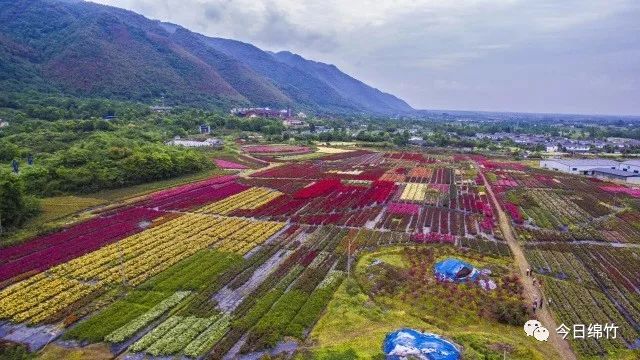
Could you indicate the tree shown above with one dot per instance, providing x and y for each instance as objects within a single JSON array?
[
  {"x": 15, "y": 206},
  {"x": 8, "y": 151},
  {"x": 401, "y": 139}
]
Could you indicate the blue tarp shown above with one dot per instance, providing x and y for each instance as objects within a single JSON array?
[
  {"x": 453, "y": 269},
  {"x": 413, "y": 344}
]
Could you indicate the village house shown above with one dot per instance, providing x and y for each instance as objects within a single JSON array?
[
  {"x": 417, "y": 141},
  {"x": 212, "y": 143},
  {"x": 261, "y": 112},
  {"x": 550, "y": 147},
  {"x": 576, "y": 147},
  {"x": 160, "y": 109},
  {"x": 293, "y": 123}
]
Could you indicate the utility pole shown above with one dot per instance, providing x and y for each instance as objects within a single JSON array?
[{"x": 349, "y": 259}]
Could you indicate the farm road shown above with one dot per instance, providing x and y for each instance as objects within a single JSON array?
[{"x": 530, "y": 290}]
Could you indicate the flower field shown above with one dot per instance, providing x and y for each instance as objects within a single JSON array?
[
  {"x": 601, "y": 283},
  {"x": 193, "y": 195},
  {"x": 145, "y": 319},
  {"x": 617, "y": 189},
  {"x": 275, "y": 149},
  {"x": 249, "y": 199},
  {"x": 568, "y": 223},
  {"x": 229, "y": 165},
  {"x": 178, "y": 334},
  {"x": 411, "y": 157},
  {"x": 50, "y": 250},
  {"x": 135, "y": 259},
  {"x": 237, "y": 265},
  {"x": 414, "y": 192}
]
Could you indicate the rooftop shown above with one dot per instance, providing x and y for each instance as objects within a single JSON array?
[
  {"x": 615, "y": 172},
  {"x": 586, "y": 162}
]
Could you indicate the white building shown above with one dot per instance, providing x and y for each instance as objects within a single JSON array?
[
  {"x": 417, "y": 140},
  {"x": 617, "y": 174},
  {"x": 551, "y": 147},
  {"x": 160, "y": 109},
  {"x": 632, "y": 166},
  {"x": 294, "y": 123},
  {"x": 570, "y": 147},
  {"x": 214, "y": 143},
  {"x": 578, "y": 166}
]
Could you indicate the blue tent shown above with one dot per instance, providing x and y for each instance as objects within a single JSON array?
[
  {"x": 453, "y": 269},
  {"x": 412, "y": 344}
]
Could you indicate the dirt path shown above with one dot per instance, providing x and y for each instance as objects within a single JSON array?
[
  {"x": 530, "y": 290},
  {"x": 248, "y": 172}
]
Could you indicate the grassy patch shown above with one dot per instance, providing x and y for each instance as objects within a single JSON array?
[
  {"x": 143, "y": 189},
  {"x": 356, "y": 322},
  {"x": 91, "y": 352},
  {"x": 394, "y": 258},
  {"x": 57, "y": 207}
]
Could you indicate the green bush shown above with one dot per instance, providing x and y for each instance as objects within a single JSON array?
[
  {"x": 13, "y": 351},
  {"x": 15, "y": 205}
]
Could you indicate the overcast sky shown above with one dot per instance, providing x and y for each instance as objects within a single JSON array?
[{"x": 568, "y": 56}]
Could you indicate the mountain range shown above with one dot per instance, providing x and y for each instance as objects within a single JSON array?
[{"x": 85, "y": 49}]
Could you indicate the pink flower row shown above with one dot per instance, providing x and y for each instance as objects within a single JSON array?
[
  {"x": 514, "y": 212},
  {"x": 198, "y": 197},
  {"x": 379, "y": 192},
  {"x": 618, "y": 189},
  {"x": 318, "y": 188},
  {"x": 506, "y": 182},
  {"x": 403, "y": 209},
  {"x": 440, "y": 187},
  {"x": 433, "y": 238},
  {"x": 196, "y": 194},
  {"x": 225, "y": 164},
  {"x": 417, "y": 157},
  {"x": 190, "y": 187},
  {"x": 272, "y": 149}
]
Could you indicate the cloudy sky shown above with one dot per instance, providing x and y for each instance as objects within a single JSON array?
[{"x": 568, "y": 56}]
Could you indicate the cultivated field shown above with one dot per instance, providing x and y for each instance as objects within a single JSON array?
[{"x": 320, "y": 258}]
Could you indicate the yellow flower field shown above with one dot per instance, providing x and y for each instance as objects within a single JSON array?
[
  {"x": 414, "y": 192},
  {"x": 137, "y": 257},
  {"x": 332, "y": 150},
  {"x": 249, "y": 199}
]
